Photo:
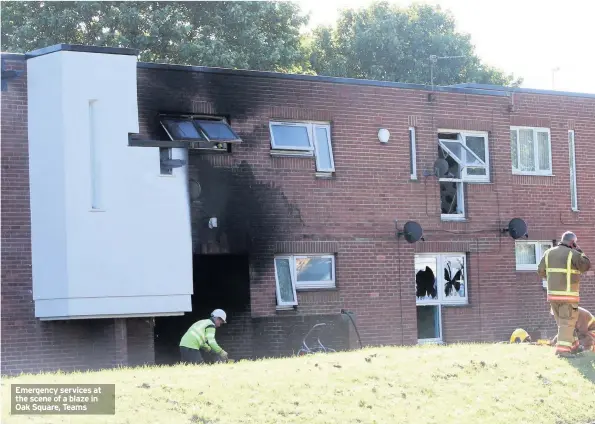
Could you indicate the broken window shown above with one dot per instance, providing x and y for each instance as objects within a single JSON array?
[
  {"x": 304, "y": 138},
  {"x": 440, "y": 280},
  {"x": 528, "y": 254},
  {"x": 469, "y": 149},
  {"x": 302, "y": 272},
  {"x": 201, "y": 132},
  {"x": 452, "y": 194}
]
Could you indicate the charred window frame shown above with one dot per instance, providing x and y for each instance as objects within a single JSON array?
[{"x": 200, "y": 132}]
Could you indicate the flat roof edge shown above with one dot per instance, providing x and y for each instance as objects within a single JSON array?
[
  {"x": 12, "y": 56},
  {"x": 525, "y": 90},
  {"x": 81, "y": 48},
  {"x": 318, "y": 78}
]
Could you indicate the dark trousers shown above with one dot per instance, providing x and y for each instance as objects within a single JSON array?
[{"x": 191, "y": 356}]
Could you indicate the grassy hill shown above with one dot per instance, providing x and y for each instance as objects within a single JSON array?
[{"x": 459, "y": 384}]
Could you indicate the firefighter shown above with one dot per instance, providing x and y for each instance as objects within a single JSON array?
[
  {"x": 201, "y": 336},
  {"x": 561, "y": 266},
  {"x": 585, "y": 332}
]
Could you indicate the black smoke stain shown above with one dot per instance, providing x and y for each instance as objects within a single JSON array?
[
  {"x": 251, "y": 214},
  {"x": 190, "y": 91}
]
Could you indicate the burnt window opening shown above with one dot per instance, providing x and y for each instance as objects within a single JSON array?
[{"x": 200, "y": 132}]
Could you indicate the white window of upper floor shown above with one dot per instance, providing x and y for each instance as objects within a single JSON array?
[
  {"x": 531, "y": 151},
  {"x": 304, "y": 139},
  {"x": 470, "y": 150}
]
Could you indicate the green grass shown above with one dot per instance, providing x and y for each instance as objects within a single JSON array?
[{"x": 479, "y": 384}]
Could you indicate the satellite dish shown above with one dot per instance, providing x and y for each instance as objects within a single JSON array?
[
  {"x": 440, "y": 167},
  {"x": 517, "y": 228},
  {"x": 195, "y": 190},
  {"x": 412, "y": 232}
]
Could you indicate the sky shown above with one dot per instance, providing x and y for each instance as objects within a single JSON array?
[{"x": 529, "y": 38}]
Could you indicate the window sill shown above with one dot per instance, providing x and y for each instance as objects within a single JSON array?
[
  {"x": 167, "y": 175},
  {"x": 446, "y": 218},
  {"x": 292, "y": 153},
  {"x": 575, "y": 210},
  {"x": 532, "y": 174},
  {"x": 316, "y": 289},
  {"x": 325, "y": 175},
  {"x": 286, "y": 308},
  {"x": 527, "y": 269},
  {"x": 97, "y": 210},
  {"x": 456, "y": 305}
]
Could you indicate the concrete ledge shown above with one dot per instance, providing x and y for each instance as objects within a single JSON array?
[{"x": 81, "y": 48}]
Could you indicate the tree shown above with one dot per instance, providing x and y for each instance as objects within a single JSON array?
[
  {"x": 249, "y": 35},
  {"x": 385, "y": 42}
]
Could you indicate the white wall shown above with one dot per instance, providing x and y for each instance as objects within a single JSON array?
[{"x": 133, "y": 255}]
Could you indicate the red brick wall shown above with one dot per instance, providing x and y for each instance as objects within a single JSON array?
[
  {"x": 269, "y": 205},
  {"x": 353, "y": 213}
]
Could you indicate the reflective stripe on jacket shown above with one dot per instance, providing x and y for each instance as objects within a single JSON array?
[
  {"x": 196, "y": 336},
  {"x": 562, "y": 267}
]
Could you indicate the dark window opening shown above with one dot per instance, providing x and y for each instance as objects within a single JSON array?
[{"x": 220, "y": 281}]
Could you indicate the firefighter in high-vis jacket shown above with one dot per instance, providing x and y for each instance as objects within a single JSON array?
[
  {"x": 561, "y": 266},
  {"x": 201, "y": 336},
  {"x": 584, "y": 332}
]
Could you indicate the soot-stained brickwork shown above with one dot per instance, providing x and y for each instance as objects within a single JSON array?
[{"x": 269, "y": 205}]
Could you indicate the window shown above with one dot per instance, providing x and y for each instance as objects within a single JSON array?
[
  {"x": 572, "y": 157},
  {"x": 412, "y": 154},
  {"x": 302, "y": 272},
  {"x": 531, "y": 151},
  {"x": 452, "y": 191},
  {"x": 529, "y": 253},
  {"x": 440, "y": 279},
  {"x": 200, "y": 132},
  {"x": 469, "y": 149},
  {"x": 304, "y": 138}
]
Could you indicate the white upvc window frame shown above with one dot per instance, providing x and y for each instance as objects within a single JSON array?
[
  {"x": 572, "y": 169},
  {"x": 440, "y": 285},
  {"x": 303, "y": 285},
  {"x": 465, "y": 151},
  {"x": 313, "y": 149},
  {"x": 537, "y": 172},
  {"x": 280, "y": 302},
  {"x": 440, "y": 339},
  {"x": 538, "y": 253},
  {"x": 460, "y": 201},
  {"x": 412, "y": 153}
]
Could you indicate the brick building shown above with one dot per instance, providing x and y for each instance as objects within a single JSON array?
[{"x": 288, "y": 208}]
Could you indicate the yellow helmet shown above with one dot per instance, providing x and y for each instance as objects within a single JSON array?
[{"x": 519, "y": 336}]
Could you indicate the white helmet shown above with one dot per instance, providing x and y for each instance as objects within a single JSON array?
[{"x": 219, "y": 313}]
